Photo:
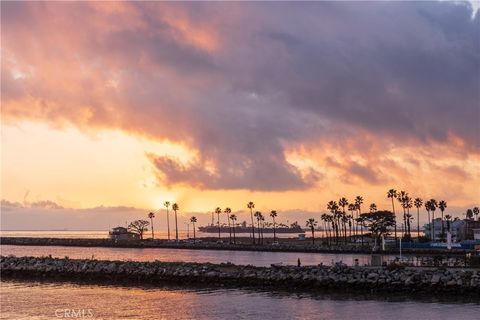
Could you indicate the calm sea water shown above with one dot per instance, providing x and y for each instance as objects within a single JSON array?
[
  {"x": 256, "y": 258},
  {"x": 159, "y": 234},
  {"x": 37, "y": 300}
]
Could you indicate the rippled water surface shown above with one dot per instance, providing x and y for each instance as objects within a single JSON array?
[{"x": 36, "y": 300}]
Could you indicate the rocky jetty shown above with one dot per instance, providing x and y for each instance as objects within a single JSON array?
[
  {"x": 285, "y": 245},
  {"x": 339, "y": 277}
]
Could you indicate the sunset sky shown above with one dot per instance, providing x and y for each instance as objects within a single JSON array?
[{"x": 290, "y": 105}]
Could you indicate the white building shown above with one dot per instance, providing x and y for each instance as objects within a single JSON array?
[{"x": 457, "y": 229}]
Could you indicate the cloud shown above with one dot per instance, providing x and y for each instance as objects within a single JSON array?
[{"x": 240, "y": 84}]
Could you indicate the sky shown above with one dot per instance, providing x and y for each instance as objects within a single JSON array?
[{"x": 120, "y": 106}]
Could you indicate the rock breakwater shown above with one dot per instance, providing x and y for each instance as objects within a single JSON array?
[{"x": 430, "y": 281}]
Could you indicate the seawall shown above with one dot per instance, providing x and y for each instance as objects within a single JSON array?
[
  {"x": 426, "y": 281},
  {"x": 212, "y": 244}
]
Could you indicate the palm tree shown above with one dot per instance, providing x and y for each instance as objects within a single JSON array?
[
  {"x": 401, "y": 198},
  {"x": 442, "y": 205},
  {"x": 352, "y": 208},
  {"x": 343, "y": 202},
  {"x": 262, "y": 226},
  {"x": 428, "y": 205},
  {"x": 151, "y": 215},
  {"x": 312, "y": 223},
  {"x": 167, "y": 204},
  {"x": 333, "y": 207},
  {"x": 326, "y": 218},
  {"x": 258, "y": 216},
  {"x": 448, "y": 217},
  {"x": 418, "y": 204},
  {"x": 392, "y": 194},
  {"x": 408, "y": 206},
  {"x": 274, "y": 214},
  {"x": 373, "y": 207},
  {"x": 193, "y": 220},
  {"x": 218, "y": 211},
  {"x": 175, "y": 208},
  {"x": 476, "y": 211},
  {"x": 250, "y": 206},
  {"x": 228, "y": 211},
  {"x": 433, "y": 207},
  {"x": 358, "y": 205},
  {"x": 233, "y": 218}
]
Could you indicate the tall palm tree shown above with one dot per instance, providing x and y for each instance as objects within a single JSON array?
[
  {"x": 442, "y": 205},
  {"x": 193, "y": 220},
  {"x": 262, "y": 226},
  {"x": 343, "y": 202},
  {"x": 218, "y": 211},
  {"x": 448, "y": 218},
  {"x": 392, "y": 194},
  {"x": 418, "y": 204},
  {"x": 373, "y": 207},
  {"x": 312, "y": 223},
  {"x": 401, "y": 198},
  {"x": 233, "y": 217},
  {"x": 175, "y": 208},
  {"x": 428, "y": 205},
  {"x": 274, "y": 214},
  {"x": 167, "y": 204},
  {"x": 258, "y": 215},
  {"x": 228, "y": 211},
  {"x": 151, "y": 215},
  {"x": 333, "y": 207},
  {"x": 433, "y": 207},
  {"x": 476, "y": 211},
  {"x": 358, "y": 205},
  {"x": 408, "y": 205},
  {"x": 325, "y": 218},
  {"x": 352, "y": 208},
  {"x": 250, "y": 206}
]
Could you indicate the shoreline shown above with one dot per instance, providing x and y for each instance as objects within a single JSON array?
[
  {"x": 337, "y": 278},
  {"x": 287, "y": 245}
]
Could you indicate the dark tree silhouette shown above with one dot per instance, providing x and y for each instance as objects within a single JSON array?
[
  {"x": 193, "y": 220},
  {"x": 151, "y": 215},
  {"x": 312, "y": 223},
  {"x": 167, "y": 204},
  {"x": 250, "y": 206},
  {"x": 175, "y": 208},
  {"x": 139, "y": 227}
]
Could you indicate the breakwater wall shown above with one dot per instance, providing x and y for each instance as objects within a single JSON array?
[
  {"x": 212, "y": 244},
  {"x": 339, "y": 277}
]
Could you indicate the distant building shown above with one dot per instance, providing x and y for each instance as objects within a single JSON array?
[
  {"x": 460, "y": 229},
  {"x": 121, "y": 233},
  {"x": 457, "y": 229}
]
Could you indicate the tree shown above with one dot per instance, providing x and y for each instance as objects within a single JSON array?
[
  {"x": 343, "y": 202},
  {"x": 448, "y": 218},
  {"x": 139, "y": 227},
  {"x": 392, "y": 194},
  {"x": 273, "y": 214},
  {"x": 373, "y": 207},
  {"x": 175, "y": 208},
  {"x": 193, "y": 220},
  {"x": 428, "y": 205},
  {"x": 476, "y": 211},
  {"x": 469, "y": 214},
  {"x": 167, "y": 204},
  {"x": 352, "y": 208},
  {"x": 358, "y": 205},
  {"x": 228, "y": 211},
  {"x": 433, "y": 207},
  {"x": 401, "y": 197},
  {"x": 333, "y": 207},
  {"x": 312, "y": 223},
  {"x": 326, "y": 220},
  {"x": 258, "y": 216},
  {"x": 418, "y": 204},
  {"x": 250, "y": 206},
  {"x": 442, "y": 205},
  {"x": 218, "y": 211},
  {"x": 233, "y": 217},
  {"x": 378, "y": 222},
  {"x": 151, "y": 215}
]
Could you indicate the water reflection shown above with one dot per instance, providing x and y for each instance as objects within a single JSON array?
[{"x": 39, "y": 300}]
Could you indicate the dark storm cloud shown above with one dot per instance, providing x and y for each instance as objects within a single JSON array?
[{"x": 257, "y": 78}]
